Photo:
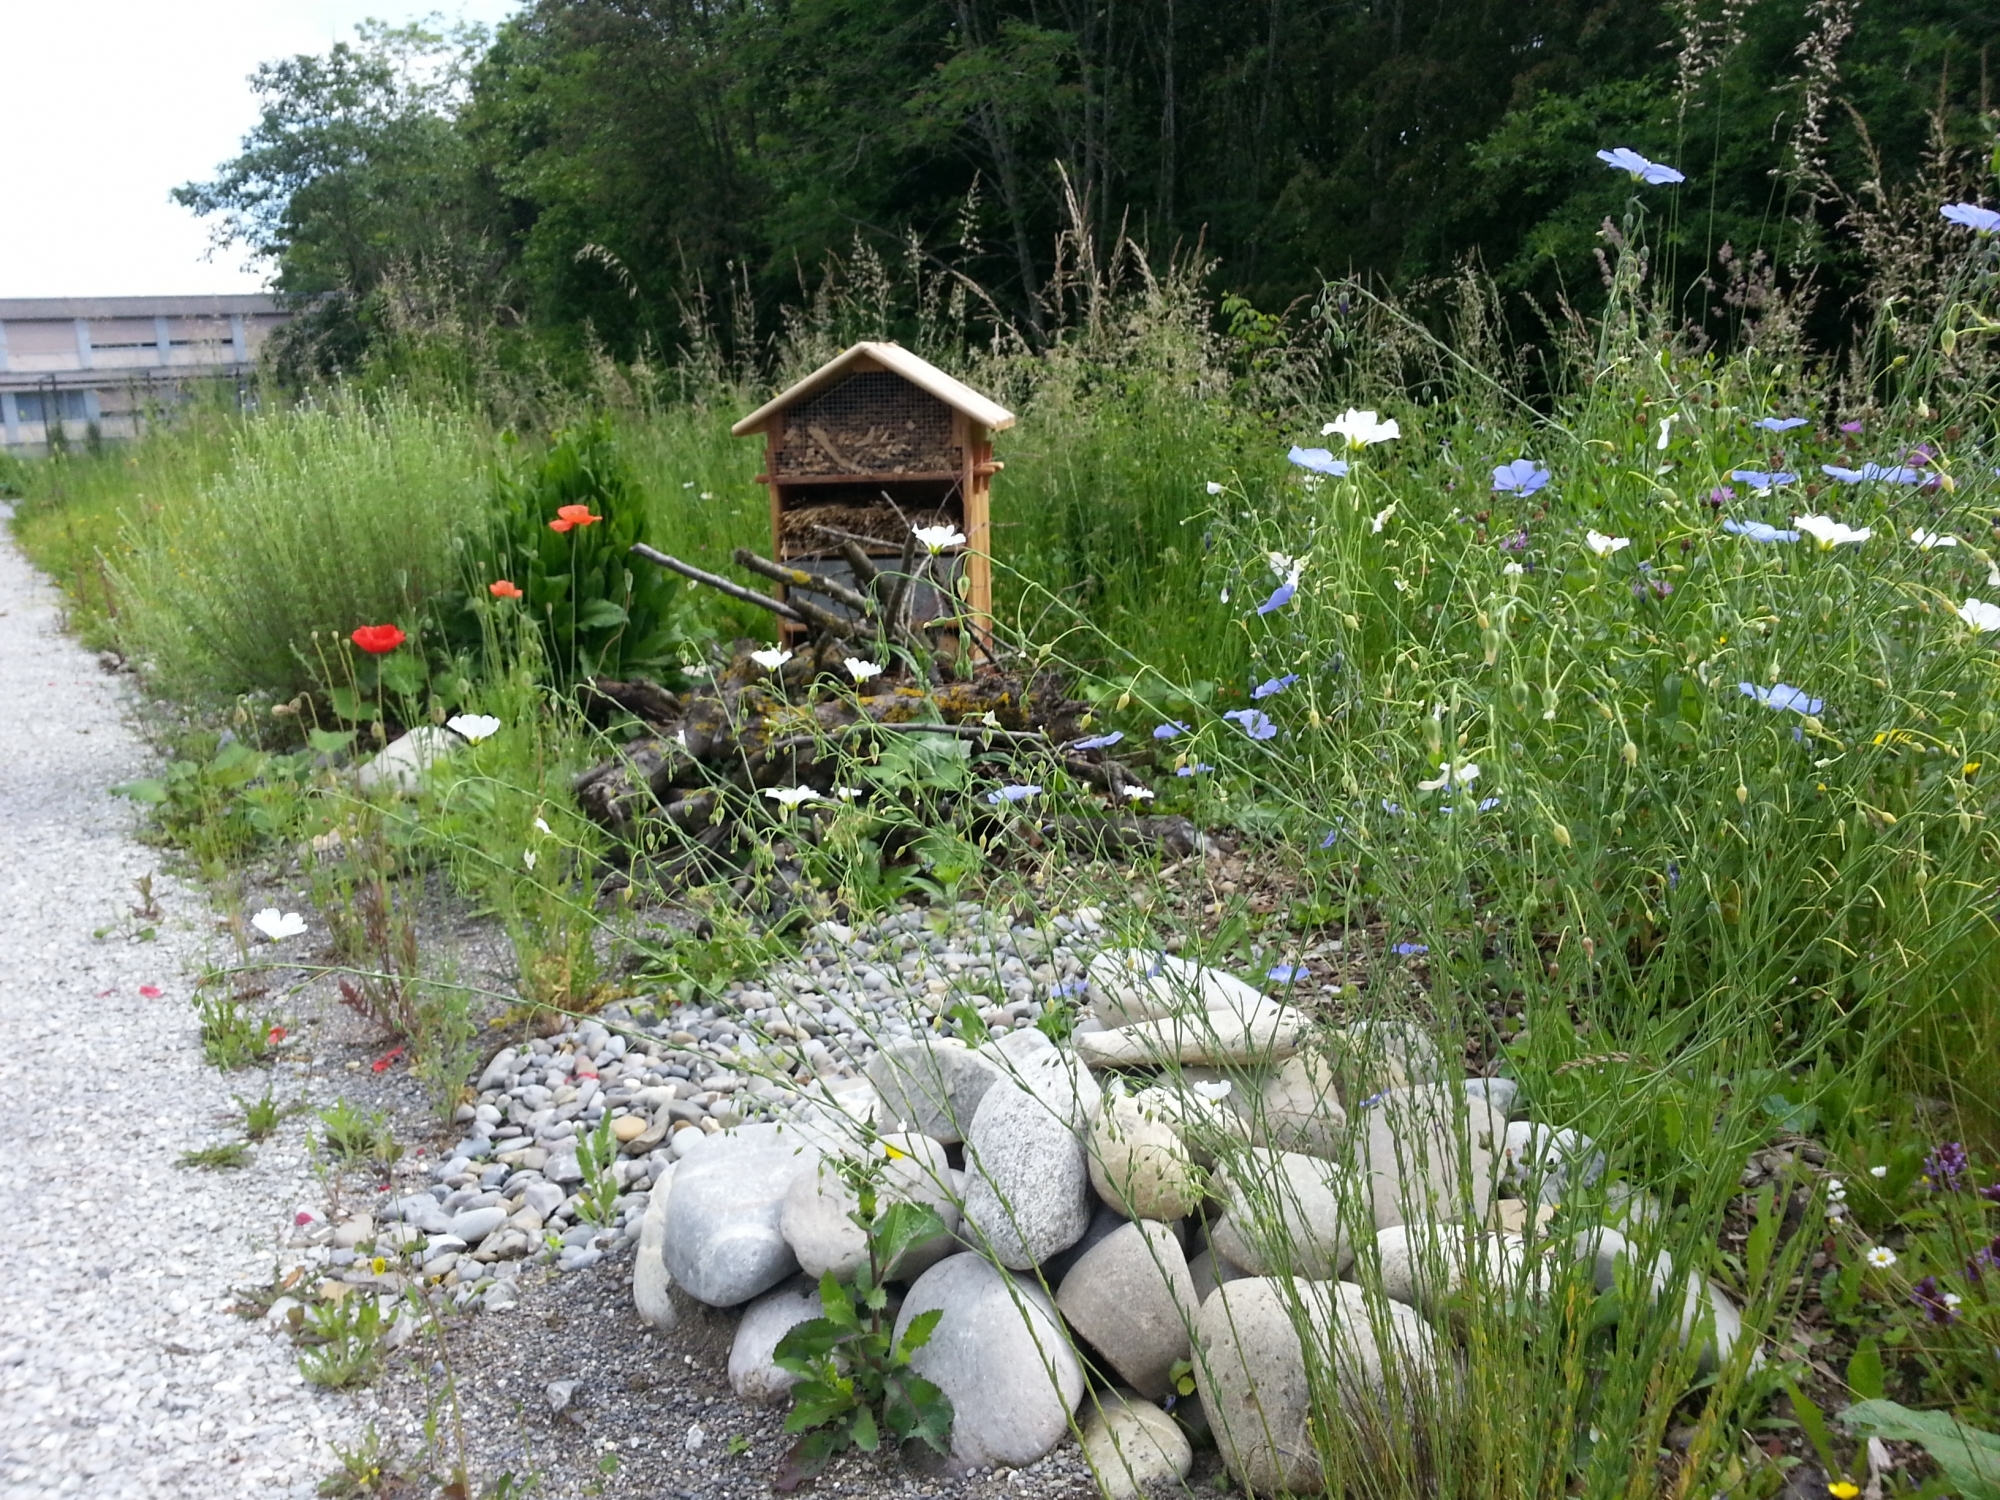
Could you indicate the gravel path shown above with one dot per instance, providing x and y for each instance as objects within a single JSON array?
[{"x": 120, "y": 1372}]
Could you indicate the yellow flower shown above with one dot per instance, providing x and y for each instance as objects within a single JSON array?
[
  {"x": 894, "y": 1154},
  {"x": 379, "y": 1264},
  {"x": 1971, "y": 766},
  {"x": 1843, "y": 1489}
]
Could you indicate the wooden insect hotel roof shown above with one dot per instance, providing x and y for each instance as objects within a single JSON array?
[{"x": 867, "y": 357}]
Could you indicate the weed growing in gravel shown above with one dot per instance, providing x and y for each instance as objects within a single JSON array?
[
  {"x": 370, "y": 1468},
  {"x": 261, "y": 1117},
  {"x": 222, "y": 1158},
  {"x": 597, "y": 1156},
  {"x": 344, "y": 1342},
  {"x": 232, "y": 1036},
  {"x": 355, "y": 1138}
]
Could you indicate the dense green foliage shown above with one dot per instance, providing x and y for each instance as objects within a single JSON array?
[{"x": 601, "y": 168}]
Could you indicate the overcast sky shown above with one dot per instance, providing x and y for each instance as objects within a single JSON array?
[{"x": 105, "y": 108}]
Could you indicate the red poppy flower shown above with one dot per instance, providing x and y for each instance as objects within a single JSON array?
[
  {"x": 502, "y": 588},
  {"x": 378, "y": 640},
  {"x": 275, "y": 1035},
  {"x": 150, "y": 991},
  {"x": 381, "y": 1063},
  {"x": 573, "y": 515}
]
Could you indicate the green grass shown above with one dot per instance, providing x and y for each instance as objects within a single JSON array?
[{"x": 223, "y": 1158}]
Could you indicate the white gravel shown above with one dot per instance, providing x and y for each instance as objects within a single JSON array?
[{"x": 120, "y": 1372}]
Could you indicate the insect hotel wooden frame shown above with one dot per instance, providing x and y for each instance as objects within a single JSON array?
[{"x": 871, "y": 444}]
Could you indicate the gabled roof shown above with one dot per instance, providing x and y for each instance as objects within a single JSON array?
[{"x": 898, "y": 360}]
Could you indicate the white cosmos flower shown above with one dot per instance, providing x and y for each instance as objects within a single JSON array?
[
  {"x": 1214, "y": 488},
  {"x": 276, "y": 927},
  {"x": 791, "y": 796},
  {"x": 1362, "y": 428},
  {"x": 1139, "y": 794},
  {"x": 543, "y": 825},
  {"x": 1878, "y": 1171},
  {"x": 1382, "y": 516},
  {"x": 1980, "y": 615},
  {"x": 771, "y": 658},
  {"x": 937, "y": 538},
  {"x": 1463, "y": 774},
  {"x": 473, "y": 727},
  {"x": 1215, "y": 1092},
  {"x": 1604, "y": 545},
  {"x": 1930, "y": 539},
  {"x": 1881, "y": 1257},
  {"x": 861, "y": 670},
  {"x": 528, "y": 858},
  {"x": 1512, "y": 570},
  {"x": 1830, "y": 533}
]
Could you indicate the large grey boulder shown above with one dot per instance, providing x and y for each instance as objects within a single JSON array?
[
  {"x": 1137, "y": 984},
  {"x": 753, "y": 1373},
  {"x": 650, "y": 1281},
  {"x": 1211, "y": 1037},
  {"x": 1426, "y": 1265},
  {"x": 1027, "y": 1192},
  {"x": 402, "y": 762},
  {"x": 817, "y": 1219},
  {"x": 1286, "y": 1214},
  {"x": 1549, "y": 1162},
  {"x": 1373, "y": 1057},
  {"x": 1138, "y": 1164},
  {"x": 1029, "y": 1060},
  {"x": 1299, "y": 1109},
  {"x": 999, "y": 1355},
  {"x": 1429, "y": 1152},
  {"x": 931, "y": 1086},
  {"x": 1131, "y": 1296},
  {"x": 1134, "y": 1448},
  {"x": 724, "y": 1241}
]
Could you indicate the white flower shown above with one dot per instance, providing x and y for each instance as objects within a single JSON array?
[
  {"x": 1214, "y": 488},
  {"x": 791, "y": 796},
  {"x": 1139, "y": 794},
  {"x": 1980, "y": 615},
  {"x": 473, "y": 727},
  {"x": 1878, "y": 1171},
  {"x": 1993, "y": 575},
  {"x": 1836, "y": 1212},
  {"x": 1362, "y": 428},
  {"x": 847, "y": 793},
  {"x": 528, "y": 858},
  {"x": 770, "y": 658},
  {"x": 1666, "y": 430},
  {"x": 276, "y": 927},
  {"x": 1604, "y": 545},
  {"x": 1881, "y": 1257},
  {"x": 1951, "y": 1300},
  {"x": 937, "y": 538},
  {"x": 1382, "y": 516},
  {"x": 1929, "y": 539},
  {"x": 1286, "y": 569},
  {"x": 1837, "y": 1190},
  {"x": 1512, "y": 570},
  {"x": 861, "y": 670},
  {"x": 1830, "y": 533},
  {"x": 1463, "y": 774},
  {"x": 1214, "y": 1093}
]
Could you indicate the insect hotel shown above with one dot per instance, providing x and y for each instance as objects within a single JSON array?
[{"x": 869, "y": 447}]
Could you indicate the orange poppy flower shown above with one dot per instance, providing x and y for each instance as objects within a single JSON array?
[
  {"x": 502, "y": 588},
  {"x": 573, "y": 515},
  {"x": 378, "y": 640}
]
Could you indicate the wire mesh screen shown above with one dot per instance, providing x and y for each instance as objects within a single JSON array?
[{"x": 871, "y": 423}]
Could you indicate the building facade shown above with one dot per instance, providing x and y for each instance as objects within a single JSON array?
[{"x": 74, "y": 366}]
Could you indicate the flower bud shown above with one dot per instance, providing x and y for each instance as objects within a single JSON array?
[
  {"x": 1561, "y": 835},
  {"x": 1742, "y": 794}
]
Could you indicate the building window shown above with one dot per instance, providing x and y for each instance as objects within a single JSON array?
[{"x": 52, "y": 406}]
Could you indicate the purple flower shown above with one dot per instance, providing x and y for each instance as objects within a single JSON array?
[
  {"x": 1625, "y": 159},
  {"x": 1332, "y": 838},
  {"x": 1757, "y": 479},
  {"x": 1410, "y": 950},
  {"x": 1945, "y": 1168},
  {"x": 1253, "y": 722},
  {"x": 1673, "y": 875},
  {"x": 1991, "y": 1193},
  {"x": 1273, "y": 685},
  {"x": 1280, "y": 597},
  {"x": 1850, "y": 428},
  {"x": 1518, "y": 542},
  {"x": 1781, "y": 697},
  {"x": 1779, "y": 424},
  {"x": 1759, "y": 531},
  {"x": 1972, "y": 216},
  {"x": 1320, "y": 461},
  {"x": 1169, "y": 729},
  {"x": 1923, "y": 453},
  {"x": 1870, "y": 472},
  {"x": 1194, "y": 770},
  {"x": 1521, "y": 477},
  {"x": 1099, "y": 741},
  {"x": 1393, "y": 809},
  {"x": 1937, "y": 1304},
  {"x": 1287, "y": 973},
  {"x": 1069, "y": 989},
  {"x": 1012, "y": 794},
  {"x": 1720, "y": 496}
]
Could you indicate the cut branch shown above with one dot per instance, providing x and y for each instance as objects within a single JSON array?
[{"x": 720, "y": 584}]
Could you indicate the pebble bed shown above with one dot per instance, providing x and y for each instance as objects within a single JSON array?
[{"x": 120, "y": 1372}]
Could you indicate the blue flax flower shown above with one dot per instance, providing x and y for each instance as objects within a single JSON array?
[
  {"x": 1012, "y": 794},
  {"x": 1759, "y": 531},
  {"x": 1195, "y": 770},
  {"x": 1099, "y": 741},
  {"x": 1320, "y": 461},
  {"x": 1280, "y": 597},
  {"x": 1521, "y": 477},
  {"x": 1779, "y": 424},
  {"x": 1625, "y": 159},
  {"x": 1757, "y": 479},
  {"x": 1972, "y": 216},
  {"x": 1869, "y": 473},
  {"x": 1253, "y": 722},
  {"x": 1410, "y": 950},
  {"x": 1393, "y": 809},
  {"x": 1273, "y": 685},
  {"x": 1780, "y": 696},
  {"x": 1287, "y": 973},
  {"x": 1332, "y": 838},
  {"x": 1169, "y": 729}
]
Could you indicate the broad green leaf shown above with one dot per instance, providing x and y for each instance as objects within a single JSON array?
[
  {"x": 815, "y": 1404},
  {"x": 904, "y": 1225},
  {"x": 918, "y": 1334},
  {"x": 150, "y": 789},
  {"x": 1812, "y": 1422},
  {"x": 1969, "y": 1457},
  {"x": 330, "y": 741},
  {"x": 599, "y": 613},
  {"x": 862, "y": 1430},
  {"x": 1864, "y": 1370}
]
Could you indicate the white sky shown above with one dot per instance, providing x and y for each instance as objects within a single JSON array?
[{"x": 105, "y": 108}]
